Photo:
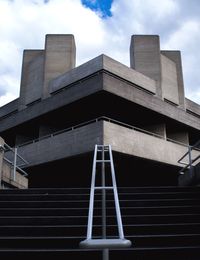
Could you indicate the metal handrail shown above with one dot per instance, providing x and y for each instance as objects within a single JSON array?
[
  {"x": 102, "y": 118},
  {"x": 17, "y": 167},
  {"x": 104, "y": 242},
  {"x": 190, "y": 160},
  {"x": 7, "y": 148}
]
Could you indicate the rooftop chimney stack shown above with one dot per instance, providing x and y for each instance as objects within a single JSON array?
[
  {"x": 40, "y": 66},
  {"x": 163, "y": 66}
]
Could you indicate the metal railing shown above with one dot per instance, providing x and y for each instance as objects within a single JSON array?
[
  {"x": 102, "y": 118},
  {"x": 104, "y": 242},
  {"x": 191, "y": 162},
  {"x": 12, "y": 158}
]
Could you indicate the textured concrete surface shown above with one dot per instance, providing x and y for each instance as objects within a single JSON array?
[
  {"x": 128, "y": 74},
  {"x": 69, "y": 95},
  {"x": 6, "y": 172},
  {"x": 182, "y": 137},
  {"x": 159, "y": 129},
  {"x": 175, "y": 56},
  {"x": 99, "y": 63},
  {"x": 192, "y": 106},
  {"x": 31, "y": 77},
  {"x": 169, "y": 80},
  {"x": 145, "y": 57},
  {"x": 67, "y": 144},
  {"x": 142, "y": 145},
  {"x": 127, "y": 91},
  {"x": 9, "y": 108},
  {"x": 122, "y": 139},
  {"x": 20, "y": 182},
  {"x": 60, "y": 55}
]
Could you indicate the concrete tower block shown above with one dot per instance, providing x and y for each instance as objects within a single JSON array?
[
  {"x": 145, "y": 57},
  {"x": 31, "y": 77},
  {"x": 169, "y": 82},
  {"x": 175, "y": 56},
  {"x": 60, "y": 52}
]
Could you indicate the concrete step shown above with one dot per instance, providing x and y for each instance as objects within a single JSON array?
[
  {"x": 161, "y": 222},
  {"x": 85, "y": 203},
  {"x": 23, "y": 242},
  {"x": 61, "y": 254},
  {"x": 75, "y": 190},
  {"x": 82, "y": 220},
  {"x": 80, "y": 230},
  {"x": 157, "y": 253},
  {"x": 46, "y": 191},
  {"x": 141, "y": 253},
  {"x": 85, "y": 196},
  {"x": 72, "y": 242},
  {"x": 159, "y": 210},
  {"x": 162, "y": 240},
  {"x": 44, "y": 197}
]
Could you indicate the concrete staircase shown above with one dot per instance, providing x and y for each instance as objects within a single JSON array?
[{"x": 162, "y": 223}]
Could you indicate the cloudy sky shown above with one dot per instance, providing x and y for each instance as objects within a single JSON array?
[{"x": 99, "y": 26}]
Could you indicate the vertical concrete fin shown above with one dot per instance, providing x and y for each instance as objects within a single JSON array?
[
  {"x": 145, "y": 57},
  {"x": 175, "y": 56},
  {"x": 31, "y": 77},
  {"x": 60, "y": 55},
  {"x": 169, "y": 79}
]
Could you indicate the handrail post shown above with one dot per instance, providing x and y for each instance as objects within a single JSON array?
[
  {"x": 91, "y": 204},
  {"x": 117, "y": 207},
  {"x": 105, "y": 253},
  {"x": 103, "y": 196},
  {"x": 14, "y": 164},
  {"x": 190, "y": 158}
]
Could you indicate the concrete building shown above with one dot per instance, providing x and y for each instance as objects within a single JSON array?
[{"x": 64, "y": 110}]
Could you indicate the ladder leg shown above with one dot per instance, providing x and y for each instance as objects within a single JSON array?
[
  {"x": 105, "y": 254},
  {"x": 103, "y": 196}
]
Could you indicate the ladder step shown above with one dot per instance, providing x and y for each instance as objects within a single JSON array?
[
  {"x": 102, "y": 145},
  {"x": 102, "y": 148},
  {"x": 104, "y": 188},
  {"x": 103, "y": 161}
]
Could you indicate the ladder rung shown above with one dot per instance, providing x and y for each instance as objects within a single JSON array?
[
  {"x": 100, "y": 150},
  {"x": 103, "y": 161},
  {"x": 104, "y": 188},
  {"x": 102, "y": 145}
]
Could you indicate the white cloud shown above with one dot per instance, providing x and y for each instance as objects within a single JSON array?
[
  {"x": 23, "y": 25},
  {"x": 6, "y": 98},
  {"x": 194, "y": 95}
]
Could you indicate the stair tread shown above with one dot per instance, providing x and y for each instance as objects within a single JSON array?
[
  {"x": 144, "y": 215},
  {"x": 125, "y": 225},
  {"x": 38, "y": 220},
  {"x": 122, "y": 207},
  {"x": 21, "y": 193},
  {"x": 83, "y": 237},
  {"x": 88, "y": 250},
  {"x": 121, "y": 200},
  {"x": 40, "y": 237}
]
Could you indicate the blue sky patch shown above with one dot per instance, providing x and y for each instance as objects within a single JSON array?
[{"x": 102, "y": 6}]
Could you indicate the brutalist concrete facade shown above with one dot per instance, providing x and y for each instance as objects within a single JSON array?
[
  {"x": 63, "y": 111},
  {"x": 7, "y": 178}
]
